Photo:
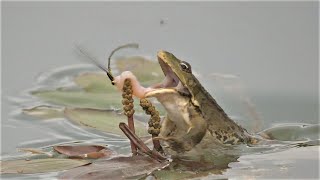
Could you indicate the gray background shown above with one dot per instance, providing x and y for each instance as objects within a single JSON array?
[{"x": 272, "y": 47}]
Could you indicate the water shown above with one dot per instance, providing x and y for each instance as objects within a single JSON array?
[
  {"x": 243, "y": 40},
  {"x": 283, "y": 158}
]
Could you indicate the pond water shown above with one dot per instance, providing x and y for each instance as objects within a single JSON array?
[{"x": 259, "y": 60}]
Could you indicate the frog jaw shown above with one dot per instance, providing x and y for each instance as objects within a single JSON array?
[{"x": 170, "y": 84}]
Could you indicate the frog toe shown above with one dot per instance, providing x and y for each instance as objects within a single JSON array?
[{"x": 190, "y": 128}]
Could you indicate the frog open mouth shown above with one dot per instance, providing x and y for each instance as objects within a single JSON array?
[{"x": 170, "y": 84}]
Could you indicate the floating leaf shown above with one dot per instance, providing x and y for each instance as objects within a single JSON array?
[
  {"x": 39, "y": 165},
  {"x": 36, "y": 151},
  {"x": 98, "y": 92},
  {"x": 292, "y": 132},
  {"x": 44, "y": 112},
  {"x": 80, "y": 99},
  {"x": 172, "y": 175},
  {"x": 103, "y": 120},
  {"x": 147, "y": 72},
  {"x": 95, "y": 83},
  {"x": 84, "y": 151},
  {"x": 117, "y": 168}
]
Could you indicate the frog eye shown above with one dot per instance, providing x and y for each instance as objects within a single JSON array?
[{"x": 185, "y": 66}]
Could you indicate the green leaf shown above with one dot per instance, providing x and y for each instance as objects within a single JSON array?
[
  {"x": 95, "y": 83},
  {"x": 103, "y": 120},
  {"x": 39, "y": 165},
  {"x": 81, "y": 99},
  {"x": 44, "y": 112},
  {"x": 147, "y": 72},
  {"x": 292, "y": 132}
]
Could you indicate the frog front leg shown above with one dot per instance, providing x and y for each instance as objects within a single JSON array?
[
  {"x": 167, "y": 127},
  {"x": 184, "y": 139}
]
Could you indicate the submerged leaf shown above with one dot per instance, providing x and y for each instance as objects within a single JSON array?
[
  {"x": 103, "y": 120},
  {"x": 117, "y": 168},
  {"x": 98, "y": 93},
  {"x": 36, "y": 151},
  {"x": 95, "y": 83},
  {"x": 39, "y": 165},
  {"x": 80, "y": 99},
  {"x": 44, "y": 112},
  {"x": 84, "y": 151},
  {"x": 147, "y": 72},
  {"x": 292, "y": 132}
]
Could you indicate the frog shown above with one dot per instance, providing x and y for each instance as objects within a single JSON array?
[{"x": 193, "y": 115}]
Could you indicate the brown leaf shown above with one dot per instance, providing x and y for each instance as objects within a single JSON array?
[
  {"x": 84, "y": 151},
  {"x": 35, "y": 151},
  {"x": 117, "y": 168},
  {"x": 44, "y": 112},
  {"x": 39, "y": 165}
]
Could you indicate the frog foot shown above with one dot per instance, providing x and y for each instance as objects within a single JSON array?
[
  {"x": 190, "y": 127},
  {"x": 170, "y": 140},
  {"x": 160, "y": 138},
  {"x": 176, "y": 144}
]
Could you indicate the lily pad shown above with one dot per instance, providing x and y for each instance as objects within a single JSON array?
[
  {"x": 118, "y": 168},
  {"x": 292, "y": 132},
  {"x": 84, "y": 151},
  {"x": 103, "y": 120},
  {"x": 95, "y": 83},
  {"x": 98, "y": 93},
  {"x": 36, "y": 151},
  {"x": 147, "y": 72},
  {"x": 80, "y": 99},
  {"x": 39, "y": 165},
  {"x": 44, "y": 112}
]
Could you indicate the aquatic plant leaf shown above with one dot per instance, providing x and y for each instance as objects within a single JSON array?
[
  {"x": 292, "y": 132},
  {"x": 39, "y": 165},
  {"x": 36, "y": 151},
  {"x": 182, "y": 169},
  {"x": 103, "y": 120},
  {"x": 80, "y": 99},
  {"x": 147, "y": 72},
  {"x": 95, "y": 83},
  {"x": 173, "y": 175},
  {"x": 44, "y": 112},
  {"x": 293, "y": 163},
  {"x": 117, "y": 168},
  {"x": 84, "y": 151}
]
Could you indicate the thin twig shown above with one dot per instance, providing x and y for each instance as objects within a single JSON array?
[{"x": 139, "y": 143}]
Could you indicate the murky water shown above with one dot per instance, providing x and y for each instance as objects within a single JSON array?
[
  {"x": 245, "y": 55},
  {"x": 297, "y": 146}
]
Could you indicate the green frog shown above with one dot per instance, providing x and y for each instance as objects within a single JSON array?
[{"x": 194, "y": 118}]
